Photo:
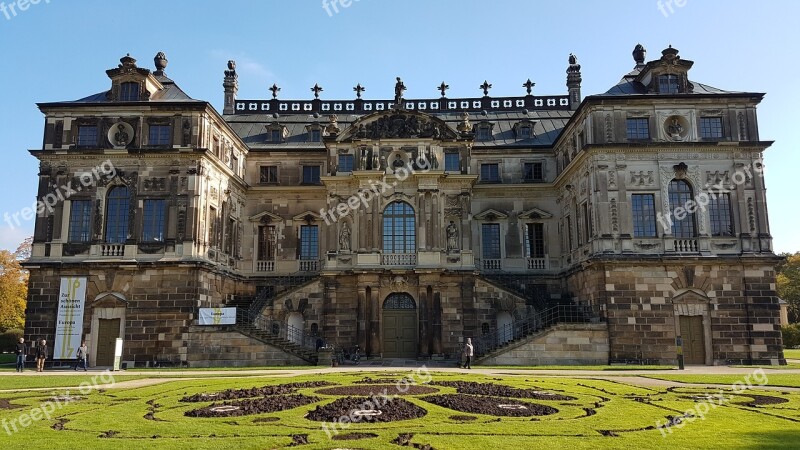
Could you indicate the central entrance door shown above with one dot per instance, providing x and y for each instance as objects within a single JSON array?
[
  {"x": 107, "y": 334},
  {"x": 694, "y": 348},
  {"x": 399, "y": 326}
]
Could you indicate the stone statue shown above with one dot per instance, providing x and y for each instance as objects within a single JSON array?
[
  {"x": 344, "y": 238},
  {"x": 121, "y": 136},
  {"x": 675, "y": 129},
  {"x": 399, "y": 87},
  {"x": 452, "y": 237},
  {"x": 398, "y": 162}
]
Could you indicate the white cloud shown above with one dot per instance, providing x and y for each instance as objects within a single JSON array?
[{"x": 10, "y": 238}]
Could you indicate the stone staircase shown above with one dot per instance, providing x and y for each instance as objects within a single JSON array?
[{"x": 306, "y": 353}]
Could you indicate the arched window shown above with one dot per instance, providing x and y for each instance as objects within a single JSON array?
[
  {"x": 680, "y": 200},
  {"x": 399, "y": 301},
  {"x": 117, "y": 215},
  {"x": 399, "y": 228}
]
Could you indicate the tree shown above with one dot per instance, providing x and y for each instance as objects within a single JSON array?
[
  {"x": 13, "y": 292},
  {"x": 789, "y": 284}
]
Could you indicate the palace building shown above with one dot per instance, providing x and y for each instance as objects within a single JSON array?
[{"x": 550, "y": 229}]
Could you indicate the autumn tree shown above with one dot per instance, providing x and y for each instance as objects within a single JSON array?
[
  {"x": 13, "y": 291},
  {"x": 789, "y": 284}
]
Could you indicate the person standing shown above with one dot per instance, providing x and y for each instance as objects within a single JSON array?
[
  {"x": 41, "y": 355},
  {"x": 83, "y": 352},
  {"x": 21, "y": 350},
  {"x": 467, "y": 354}
]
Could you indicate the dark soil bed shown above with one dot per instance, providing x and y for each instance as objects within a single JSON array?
[
  {"x": 266, "y": 419},
  {"x": 365, "y": 409},
  {"x": 252, "y": 406},
  {"x": 353, "y": 436},
  {"x": 759, "y": 400},
  {"x": 461, "y": 418},
  {"x": 378, "y": 389},
  {"x": 499, "y": 390},
  {"x": 492, "y": 406},
  {"x": 233, "y": 394}
]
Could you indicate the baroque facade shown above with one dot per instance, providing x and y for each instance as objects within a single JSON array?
[{"x": 405, "y": 225}]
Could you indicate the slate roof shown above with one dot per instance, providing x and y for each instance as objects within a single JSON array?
[
  {"x": 629, "y": 86},
  {"x": 171, "y": 93}
]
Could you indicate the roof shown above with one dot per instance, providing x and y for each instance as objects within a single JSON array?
[{"x": 629, "y": 86}]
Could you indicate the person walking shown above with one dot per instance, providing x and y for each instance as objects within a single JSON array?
[
  {"x": 467, "y": 354},
  {"x": 83, "y": 352},
  {"x": 41, "y": 355},
  {"x": 21, "y": 350}
]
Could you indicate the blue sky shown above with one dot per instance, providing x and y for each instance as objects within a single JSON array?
[{"x": 60, "y": 49}]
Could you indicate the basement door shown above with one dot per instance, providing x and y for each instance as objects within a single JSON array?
[
  {"x": 694, "y": 348},
  {"x": 107, "y": 334}
]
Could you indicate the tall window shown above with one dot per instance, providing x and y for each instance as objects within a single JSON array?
[
  {"x": 490, "y": 173},
  {"x": 160, "y": 135},
  {"x": 680, "y": 194},
  {"x": 534, "y": 240},
  {"x": 345, "y": 163},
  {"x": 399, "y": 228},
  {"x": 87, "y": 136},
  {"x": 310, "y": 174},
  {"x": 213, "y": 227},
  {"x": 638, "y": 128},
  {"x": 668, "y": 84},
  {"x": 153, "y": 220},
  {"x": 711, "y": 127},
  {"x": 268, "y": 174},
  {"x": 643, "y": 207},
  {"x": 117, "y": 215},
  {"x": 490, "y": 240},
  {"x": 719, "y": 211},
  {"x": 80, "y": 226},
  {"x": 129, "y": 92},
  {"x": 309, "y": 242},
  {"x": 266, "y": 243},
  {"x": 452, "y": 162},
  {"x": 533, "y": 171}
]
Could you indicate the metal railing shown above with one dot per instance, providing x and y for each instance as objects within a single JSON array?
[
  {"x": 535, "y": 323},
  {"x": 279, "y": 330}
]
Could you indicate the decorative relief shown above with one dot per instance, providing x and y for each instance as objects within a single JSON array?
[
  {"x": 400, "y": 125},
  {"x": 742, "y": 126},
  {"x": 717, "y": 178},
  {"x": 612, "y": 179},
  {"x": 751, "y": 214},
  {"x": 646, "y": 245},
  {"x": 155, "y": 184},
  {"x": 642, "y": 178},
  {"x": 609, "y": 129},
  {"x": 452, "y": 206},
  {"x": 723, "y": 245},
  {"x": 614, "y": 217},
  {"x": 120, "y": 134},
  {"x": 58, "y": 139}
]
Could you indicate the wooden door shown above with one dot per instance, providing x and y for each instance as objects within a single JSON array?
[
  {"x": 400, "y": 333},
  {"x": 107, "y": 334},
  {"x": 694, "y": 348}
]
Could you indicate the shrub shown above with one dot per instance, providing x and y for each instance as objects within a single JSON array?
[
  {"x": 8, "y": 338},
  {"x": 791, "y": 336}
]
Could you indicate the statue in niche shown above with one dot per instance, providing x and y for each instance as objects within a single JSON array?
[
  {"x": 675, "y": 129},
  {"x": 452, "y": 238},
  {"x": 344, "y": 238},
  {"x": 121, "y": 136},
  {"x": 398, "y": 162}
]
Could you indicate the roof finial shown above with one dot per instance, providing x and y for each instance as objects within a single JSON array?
[
  {"x": 485, "y": 87},
  {"x": 160, "y": 61},
  {"x": 443, "y": 88},
  {"x": 639, "y": 54},
  {"x": 359, "y": 89},
  {"x": 316, "y": 90},
  {"x": 528, "y": 85},
  {"x": 275, "y": 89}
]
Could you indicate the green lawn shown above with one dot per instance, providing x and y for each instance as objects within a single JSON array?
[
  {"x": 602, "y": 414},
  {"x": 8, "y": 358},
  {"x": 786, "y": 380},
  {"x": 579, "y": 368},
  {"x": 791, "y": 353}
]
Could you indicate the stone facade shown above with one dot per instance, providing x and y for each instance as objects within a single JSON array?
[
  {"x": 562, "y": 345},
  {"x": 406, "y": 225}
]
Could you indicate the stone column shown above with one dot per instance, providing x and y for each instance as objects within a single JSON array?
[
  {"x": 361, "y": 318},
  {"x": 422, "y": 306},
  {"x": 375, "y": 323},
  {"x": 437, "y": 323},
  {"x": 436, "y": 205},
  {"x": 422, "y": 229}
]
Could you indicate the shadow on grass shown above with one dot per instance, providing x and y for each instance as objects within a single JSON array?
[{"x": 789, "y": 439}]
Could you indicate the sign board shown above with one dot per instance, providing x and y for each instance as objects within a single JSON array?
[
  {"x": 69, "y": 322},
  {"x": 118, "y": 354},
  {"x": 217, "y": 316}
]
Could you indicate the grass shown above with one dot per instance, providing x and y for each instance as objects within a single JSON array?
[
  {"x": 8, "y": 358},
  {"x": 579, "y": 368},
  {"x": 219, "y": 369},
  {"x": 791, "y": 353},
  {"x": 628, "y": 411},
  {"x": 785, "y": 380}
]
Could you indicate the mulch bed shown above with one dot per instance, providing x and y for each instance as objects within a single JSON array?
[
  {"x": 404, "y": 440},
  {"x": 368, "y": 380},
  {"x": 233, "y": 394},
  {"x": 499, "y": 390},
  {"x": 396, "y": 409},
  {"x": 266, "y": 419},
  {"x": 378, "y": 389},
  {"x": 252, "y": 406},
  {"x": 5, "y": 404},
  {"x": 759, "y": 400},
  {"x": 461, "y": 418},
  {"x": 353, "y": 436},
  {"x": 489, "y": 405}
]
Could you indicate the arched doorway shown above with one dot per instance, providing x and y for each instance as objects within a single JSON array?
[
  {"x": 399, "y": 326},
  {"x": 505, "y": 327},
  {"x": 294, "y": 329}
]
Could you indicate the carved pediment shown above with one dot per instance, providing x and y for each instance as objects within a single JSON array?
[
  {"x": 308, "y": 216},
  {"x": 109, "y": 300},
  {"x": 690, "y": 296},
  {"x": 266, "y": 217},
  {"x": 535, "y": 213},
  {"x": 491, "y": 214},
  {"x": 398, "y": 124}
]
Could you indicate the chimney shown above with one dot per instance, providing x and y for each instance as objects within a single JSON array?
[
  {"x": 231, "y": 85},
  {"x": 574, "y": 82}
]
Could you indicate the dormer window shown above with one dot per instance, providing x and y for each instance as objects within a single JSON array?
[
  {"x": 484, "y": 133},
  {"x": 524, "y": 129},
  {"x": 276, "y": 136},
  {"x": 316, "y": 135},
  {"x": 129, "y": 92},
  {"x": 524, "y": 132},
  {"x": 668, "y": 84},
  {"x": 276, "y": 133}
]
